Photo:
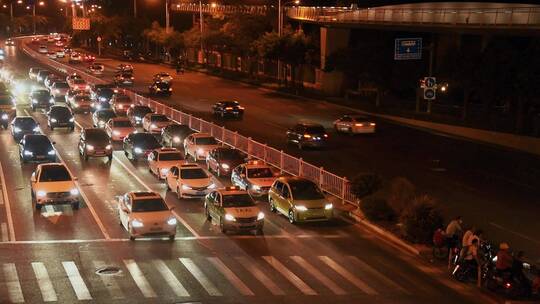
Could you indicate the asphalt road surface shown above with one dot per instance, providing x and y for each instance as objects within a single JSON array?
[{"x": 53, "y": 254}]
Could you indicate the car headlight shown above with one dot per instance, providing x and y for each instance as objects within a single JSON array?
[
  {"x": 115, "y": 132},
  {"x": 212, "y": 186},
  {"x": 17, "y": 129},
  {"x": 41, "y": 193},
  {"x": 164, "y": 171},
  {"x": 54, "y": 120},
  {"x": 328, "y": 206},
  {"x": 260, "y": 216},
  {"x": 137, "y": 150},
  {"x": 34, "y": 100},
  {"x": 74, "y": 191},
  {"x": 108, "y": 147},
  {"x": 120, "y": 106},
  {"x": 71, "y": 119},
  {"x": 89, "y": 147},
  {"x": 136, "y": 224},
  {"x": 28, "y": 153},
  {"x": 51, "y": 101},
  {"x": 184, "y": 187},
  {"x": 137, "y": 118},
  {"x": 153, "y": 126},
  {"x": 172, "y": 221},
  {"x": 176, "y": 139},
  {"x": 52, "y": 152},
  {"x": 102, "y": 99},
  {"x": 36, "y": 129},
  {"x": 200, "y": 151},
  {"x": 101, "y": 123},
  {"x": 5, "y": 116},
  {"x": 229, "y": 218},
  {"x": 301, "y": 208},
  {"x": 158, "y": 89},
  {"x": 76, "y": 105},
  {"x": 255, "y": 187},
  {"x": 225, "y": 166}
]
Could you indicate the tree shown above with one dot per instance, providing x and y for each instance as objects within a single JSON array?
[
  {"x": 160, "y": 37},
  {"x": 365, "y": 184}
]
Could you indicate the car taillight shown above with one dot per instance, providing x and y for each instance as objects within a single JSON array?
[
  {"x": 359, "y": 125},
  {"x": 325, "y": 135},
  {"x": 307, "y": 136}
]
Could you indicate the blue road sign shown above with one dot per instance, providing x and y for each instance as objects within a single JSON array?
[{"x": 408, "y": 49}]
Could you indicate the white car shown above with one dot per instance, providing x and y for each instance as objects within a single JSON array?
[
  {"x": 154, "y": 123},
  {"x": 79, "y": 84},
  {"x": 59, "y": 89},
  {"x": 198, "y": 145},
  {"x": 60, "y": 54},
  {"x": 75, "y": 58},
  {"x": 145, "y": 213},
  {"x": 255, "y": 177},
  {"x": 189, "y": 180},
  {"x": 160, "y": 161},
  {"x": 43, "y": 49},
  {"x": 118, "y": 128},
  {"x": 96, "y": 68},
  {"x": 51, "y": 55},
  {"x": 354, "y": 124},
  {"x": 53, "y": 184}
]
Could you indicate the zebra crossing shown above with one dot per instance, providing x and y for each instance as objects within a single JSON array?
[{"x": 197, "y": 277}]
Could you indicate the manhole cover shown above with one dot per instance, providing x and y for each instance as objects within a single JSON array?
[{"x": 109, "y": 270}]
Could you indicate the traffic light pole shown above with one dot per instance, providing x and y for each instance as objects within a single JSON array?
[{"x": 430, "y": 72}]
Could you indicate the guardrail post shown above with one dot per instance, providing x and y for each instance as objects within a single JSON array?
[
  {"x": 236, "y": 138},
  {"x": 281, "y": 161},
  {"x": 189, "y": 121},
  {"x": 343, "y": 189},
  {"x": 223, "y": 134},
  {"x": 321, "y": 178},
  {"x": 249, "y": 146},
  {"x": 265, "y": 152},
  {"x": 300, "y": 165}
]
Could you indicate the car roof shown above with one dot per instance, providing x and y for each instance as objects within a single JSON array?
[
  {"x": 52, "y": 165},
  {"x": 189, "y": 166},
  {"x": 143, "y": 194},
  {"x": 230, "y": 191},
  {"x": 200, "y": 135}
]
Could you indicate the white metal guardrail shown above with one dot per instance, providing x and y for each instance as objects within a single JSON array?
[
  {"x": 503, "y": 17},
  {"x": 329, "y": 182}
]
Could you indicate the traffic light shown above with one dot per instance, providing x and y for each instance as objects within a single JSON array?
[{"x": 430, "y": 88}]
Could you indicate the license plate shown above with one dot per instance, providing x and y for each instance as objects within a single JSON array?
[
  {"x": 155, "y": 229},
  {"x": 200, "y": 192},
  {"x": 100, "y": 153},
  {"x": 40, "y": 157}
]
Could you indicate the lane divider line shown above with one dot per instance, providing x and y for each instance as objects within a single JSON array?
[
  {"x": 5, "y": 235},
  {"x": 8, "y": 205}
]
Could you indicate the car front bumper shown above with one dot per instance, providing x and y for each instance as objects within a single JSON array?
[
  {"x": 60, "y": 200},
  {"x": 194, "y": 192},
  {"x": 314, "y": 215},
  {"x": 153, "y": 230},
  {"x": 243, "y": 226}
]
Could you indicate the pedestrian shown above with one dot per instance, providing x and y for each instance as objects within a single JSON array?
[
  {"x": 472, "y": 260},
  {"x": 453, "y": 232}
]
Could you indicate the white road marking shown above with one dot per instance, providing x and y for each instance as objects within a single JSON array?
[
  {"x": 233, "y": 279},
  {"x": 12, "y": 283},
  {"x": 8, "y": 205},
  {"x": 110, "y": 283},
  {"x": 77, "y": 282},
  {"x": 294, "y": 279},
  {"x": 169, "y": 277},
  {"x": 140, "y": 279},
  {"x": 319, "y": 275},
  {"x": 188, "y": 227},
  {"x": 259, "y": 275},
  {"x": 378, "y": 275},
  {"x": 196, "y": 272},
  {"x": 44, "y": 282},
  {"x": 514, "y": 232},
  {"x": 348, "y": 275},
  {"x": 5, "y": 235}
]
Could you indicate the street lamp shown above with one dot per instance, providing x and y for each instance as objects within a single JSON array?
[{"x": 41, "y": 3}]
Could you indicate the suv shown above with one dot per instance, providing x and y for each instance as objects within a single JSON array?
[
  {"x": 233, "y": 209},
  {"x": 95, "y": 142},
  {"x": 53, "y": 184},
  {"x": 299, "y": 199},
  {"x": 60, "y": 116}
]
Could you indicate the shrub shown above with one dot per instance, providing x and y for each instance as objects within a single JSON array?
[
  {"x": 421, "y": 219},
  {"x": 401, "y": 195},
  {"x": 377, "y": 209},
  {"x": 365, "y": 184}
]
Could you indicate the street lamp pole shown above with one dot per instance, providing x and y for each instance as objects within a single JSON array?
[
  {"x": 11, "y": 11},
  {"x": 201, "y": 28},
  {"x": 134, "y": 8},
  {"x": 167, "y": 17},
  {"x": 34, "y": 17}
]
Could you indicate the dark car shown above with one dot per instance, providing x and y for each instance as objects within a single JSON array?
[
  {"x": 124, "y": 78},
  {"x": 60, "y": 116},
  {"x": 7, "y": 109},
  {"x": 40, "y": 98},
  {"x": 95, "y": 142},
  {"x": 307, "y": 135},
  {"x": 42, "y": 74},
  {"x": 101, "y": 117},
  {"x": 223, "y": 160},
  {"x": 103, "y": 94},
  {"x": 139, "y": 145},
  {"x": 136, "y": 114},
  {"x": 228, "y": 109},
  {"x": 160, "y": 88},
  {"x": 37, "y": 148},
  {"x": 174, "y": 135},
  {"x": 22, "y": 125}
]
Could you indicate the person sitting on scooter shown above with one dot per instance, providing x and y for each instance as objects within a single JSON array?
[
  {"x": 504, "y": 259},
  {"x": 517, "y": 271},
  {"x": 472, "y": 260}
]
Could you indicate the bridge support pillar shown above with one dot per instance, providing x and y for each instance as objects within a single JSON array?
[{"x": 332, "y": 39}]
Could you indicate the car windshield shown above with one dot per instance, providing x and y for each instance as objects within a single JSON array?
[
  {"x": 315, "y": 129},
  {"x": 149, "y": 205},
  {"x": 105, "y": 92},
  {"x": 305, "y": 190},
  {"x": 79, "y": 81},
  {"x": 145, "y": 141},
  {"x": 25, "y": 122},
  {"x": 127, "y": 75},
  {"x": 122, "y": 99},
  {"x": 40, "y": 94},
  {"x": 54, "y": 174},
  {"x": 237, "y": 200},
  {"x": 141, "y": 111},
  {"x": 5, "y": 100},
  {"x": 163, "y": 75},
  {"x": 231, "y": 154},
  {"x": 61, "y": 85},
  {"x": 171, "y": 156},
  {"x": 260, "y": 173},
  {"x": 194, "y": 173},
  {"x": 122, "y": 124},
  {"x": 97, "y": 136},
  {"x": 230, "y": 104},
  {"x": 60, "y": 112},
  {"x": 162, "y": 85},
  {"x": 106, "y": 115},
  {"x": 205, "y": 141},
  {"x": 33, "y": 142},
  {"x": 159, "y": 118}
]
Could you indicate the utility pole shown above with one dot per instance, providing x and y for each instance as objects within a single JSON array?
[
  {"x": 34, "y": 17},
  {"x": 134, "y": 8},
  {"x": 167, "y": 17},
  {"x": 280, "y": 30},
  {"x": 201, "y": 29},
  {"x": 11, "y": 11}
]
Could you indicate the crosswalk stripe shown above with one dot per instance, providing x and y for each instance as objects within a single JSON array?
[
  {"x": 348, "y": 275},
  {"x": 140, "y": 279},
  {"x": 171, "y": 279},
  {"x": 319, "y": 275},
  {"x": 76, "y": 281},
  {"x": 12, "y": 282},
  {"x": 294, "y": 279},
  {"x": 44, "y": 282},
  {"x": 109, "y": 282},
  {"x": 233, "y": 279},
  {"x": 5, "y": 235},
  {"x": 259, "y": 275},
  {"x": 377, "y": 274},
  {"x": 210, "y": 288}
]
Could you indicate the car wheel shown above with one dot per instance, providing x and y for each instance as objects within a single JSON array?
[
  {"x": 272, "y": 206},
  {"x": 110, "y": 158},
  {"x": 85, "y": 156},
  {"x": 71, "y": 129},
  {"x": 171, "y": 237},
  {"x": 75, "y": 205},
  {"x": 126, "y": 154},
  {"x": 131, "y": 238},
  {"x": 208, "y": 216},
  {"x": 292, "y": 220}
]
